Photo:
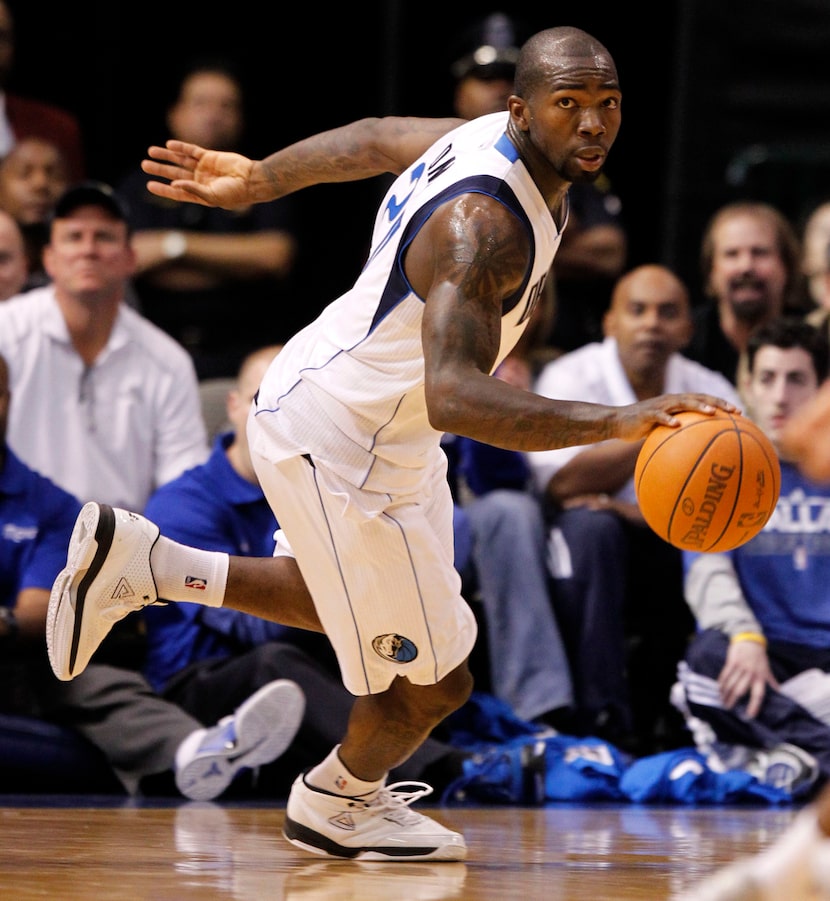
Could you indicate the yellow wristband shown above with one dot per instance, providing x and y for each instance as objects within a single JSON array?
[{"x": 749, "y": 636}]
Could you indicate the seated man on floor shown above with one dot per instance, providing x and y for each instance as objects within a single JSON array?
[
  {"x": 147, "y": 740},
  {"x": 755, "y": 682}
]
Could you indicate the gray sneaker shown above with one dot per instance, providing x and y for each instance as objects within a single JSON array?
[
  {"x": 784, "y": 766},
  {"x": 107, "y": 576},
  {"x": 385, "y": 828},
  {"x": 258, "y": 732}
]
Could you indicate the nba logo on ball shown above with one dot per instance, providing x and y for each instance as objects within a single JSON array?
[{"x": 708, "y": 485}]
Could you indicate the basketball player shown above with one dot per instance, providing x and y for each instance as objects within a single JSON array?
[{"x": 345, "y": 430}]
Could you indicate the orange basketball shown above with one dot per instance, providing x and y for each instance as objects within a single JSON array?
[{"x": 710, "y": 484}]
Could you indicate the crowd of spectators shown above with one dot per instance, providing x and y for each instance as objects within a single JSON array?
[{"x": 585, "y": 613}]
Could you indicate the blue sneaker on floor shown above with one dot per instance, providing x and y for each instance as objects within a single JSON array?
[
  {"x": 258, "y": 732},
  {"x": 502, "y": 774}
]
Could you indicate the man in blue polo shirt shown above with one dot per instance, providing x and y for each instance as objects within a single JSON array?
[{"x": 141, "y": 735}]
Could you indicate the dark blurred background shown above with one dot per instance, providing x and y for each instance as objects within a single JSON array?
[{"x": 722, "y": 98}]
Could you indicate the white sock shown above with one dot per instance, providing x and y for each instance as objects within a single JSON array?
[
  {"x": 332, "y": 776},
  {"x": 187, "y": 574}
]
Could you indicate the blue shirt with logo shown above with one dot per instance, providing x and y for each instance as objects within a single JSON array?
[
  {"x": 210, "y": 507},
  {"x": 36, "y": 522},
  {"x": 785, "y": 570}
]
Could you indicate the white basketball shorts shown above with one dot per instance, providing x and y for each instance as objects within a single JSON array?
[{"x": 380, "y": 571}]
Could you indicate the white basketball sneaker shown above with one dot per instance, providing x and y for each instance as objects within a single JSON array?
[
  {"x": 385, "y": 828},
  {"x": 107, "y": 576}
]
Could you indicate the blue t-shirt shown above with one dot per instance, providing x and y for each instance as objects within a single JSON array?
[
  {"x": 483, "y": 467},
  {"x": 210, "y": 507},
  {"x": 36, "y": 519},
  {"x": 487, "y": 468},
  {"x": 784, "y": 571}
]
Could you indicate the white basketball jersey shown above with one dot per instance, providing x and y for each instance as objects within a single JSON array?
[{"x": 349, "y": 388}]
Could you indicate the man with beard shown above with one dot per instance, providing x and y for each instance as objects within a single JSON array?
[{"x": 750, "y": 260}]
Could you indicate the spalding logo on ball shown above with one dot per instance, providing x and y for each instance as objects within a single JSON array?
[{"x": 710, "y": 484}]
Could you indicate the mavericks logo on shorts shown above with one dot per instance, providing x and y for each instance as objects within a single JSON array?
[{"x": 395, "y": 648}]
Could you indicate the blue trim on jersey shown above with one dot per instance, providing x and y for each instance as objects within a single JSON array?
[
  {"x": 393, "y": 210},
  {"x": 507, "y": 148},
  {"x": 397, "y": 286}
]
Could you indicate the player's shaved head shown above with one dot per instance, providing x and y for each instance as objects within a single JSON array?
[{"x": 555, "y": 49}]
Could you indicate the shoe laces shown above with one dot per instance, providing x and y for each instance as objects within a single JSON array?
[{"x": 392, "y": 802}]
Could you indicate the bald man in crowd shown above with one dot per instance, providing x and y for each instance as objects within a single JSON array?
[{"x": 618, "y": 585}]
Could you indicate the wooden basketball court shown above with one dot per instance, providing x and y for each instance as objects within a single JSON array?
[{"x": 64, "y": 849}]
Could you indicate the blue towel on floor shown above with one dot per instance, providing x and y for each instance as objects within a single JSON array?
[{"x": 682, "y": 776}]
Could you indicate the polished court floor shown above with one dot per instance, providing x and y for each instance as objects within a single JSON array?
[{"x": 65, "y": 849}]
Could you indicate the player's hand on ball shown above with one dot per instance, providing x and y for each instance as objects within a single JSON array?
[
  {"x": 637, "y": 420},
  {"x": 710, "y": 484}
]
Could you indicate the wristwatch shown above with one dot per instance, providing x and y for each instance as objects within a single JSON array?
[
  {"x": 12, "y": 625},
  {"x": 174, "y": 245}
]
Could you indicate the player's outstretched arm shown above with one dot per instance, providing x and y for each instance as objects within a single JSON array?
[
  {"x": 363, "y": 149},
  {"x": 196, "y": 175}
]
